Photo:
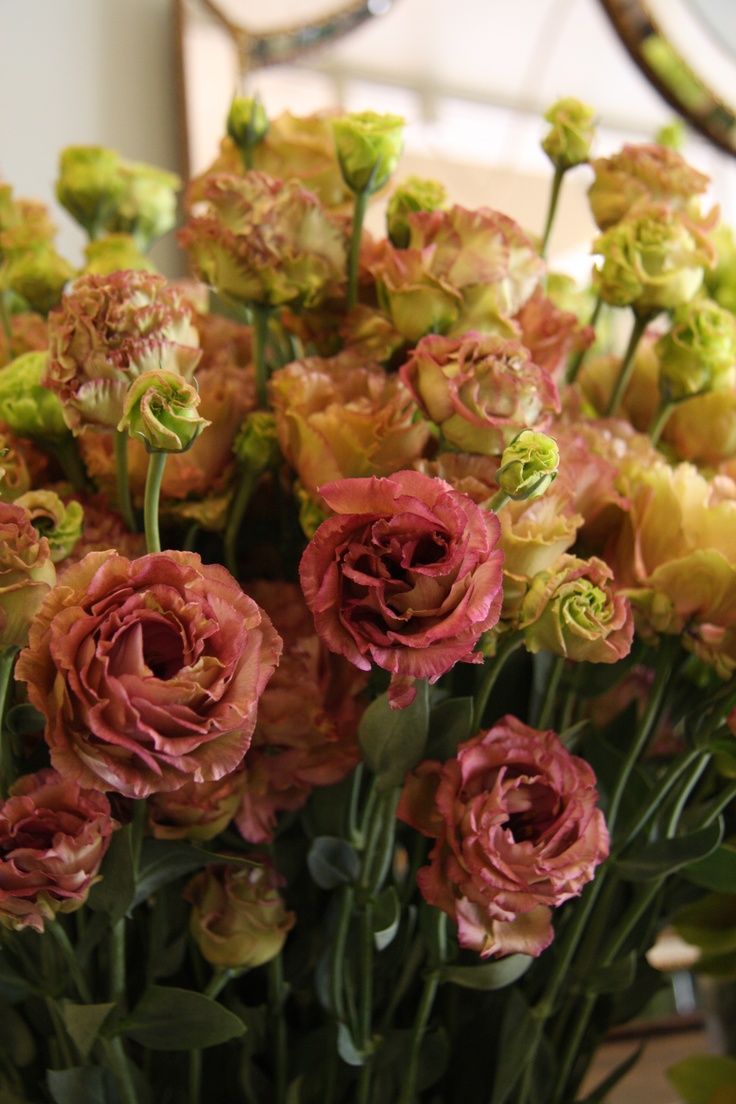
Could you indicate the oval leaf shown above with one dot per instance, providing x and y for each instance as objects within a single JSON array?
[
  {"x": 716, "y": 872},
  {"x": 450, "y": 724},
  {"x": 393, "y": 740},
  {"x": 332, "y": 862},
  {"x": 115, "y": 892},
  {"x": 489, "y": 975},
  {"x": 83, "y": 1022},
  {"x": 664, "y": 857},
  {"x": 167, "y": 1018}
]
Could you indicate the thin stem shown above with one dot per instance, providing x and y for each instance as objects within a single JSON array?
[
  {"x": 7, "y": 764},
  {"x": 276, "y": 992},
  {"x": 426, "y": 1003},
  {"x": 217, "y": 983},
  {"x": 125, "y": 504},
  {"x": 117, "y": 962},
  {"x": 65, "y": 452},
  {"x": 5, "y": 321},
  {"x": 660, "y": 419},
  {"x": 641, "y": 321},
  {"x": 679, "y": 806},
  {"x": 365, "y": 1007},
  {"x": 260, "y": 331},
  {"x": 552, "y": 208},
  {"x": 548, "y": 705},
  {"x": 575, "y": 362},
  {"x": 156, "y": 465},
  {"x": 674, "y": 773},
  {"x": 236, "y": 513},
  {"x": 498, "y": 501},
  {"x": 722, "y": 802},
  {"x": 338, "y": 952},
  {"x": 359, "y": 210},
  {"x": 506, "y": 646}
]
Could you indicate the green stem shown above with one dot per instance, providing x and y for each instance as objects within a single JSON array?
[
  {"x": 664, "y": 788},
  {"x": 338, "y": 952},
  {"x": 236, "y": 513},
  {"x": 117, "y": 962},
  {"x": 359, "y": 210},
  {"x": 276, "y": 993},
  {"x": 365, "y": 1007},
  {"x": 507, "y": 645},
  {"x": 660, "y": 419},
  {"x": 678, "y": 807},
  {"x": 552, "y": 208},
  {"x": 498, "y": 501},
  {"x": 65, "y": 453},
  {"x": 426, "y": 1003},
  {"x": 156, "y": 465},
  {"x": 548, "y": 705},
  {"x": 575, "y": 363},
  {"x": 722, "y": 802},
  {"x": 125, "y": 504},
  {"x": 217, "y": 983},
  {"x": 5, "y": 321},
  {"x": 261, "y": 314},
  {"x": 7, "y": 763},
  {"x": 641, "y": 321}
]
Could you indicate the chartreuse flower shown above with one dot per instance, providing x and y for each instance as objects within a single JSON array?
[
  {"x": 60, "y": 523},
  {"x": 415, "y": 194},
  {"x": 247, "y": 125},
  {"x": 528, "y": 465},
  {"x": 698, "y": 353},
  {"x": 28, "y": 408},
  {"x": 568, "y": 141},
  {"x": 147, "y": 206},
  {"x": 160, "y": 410},
  {"x": 90, "y": 185},
  {"x": 368, "y": 147}
]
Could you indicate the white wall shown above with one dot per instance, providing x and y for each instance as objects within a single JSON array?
[{"x": 86, "y": 72}]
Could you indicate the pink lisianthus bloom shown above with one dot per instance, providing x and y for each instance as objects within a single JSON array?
[
  {"x": 343, "y": 418},
  {"x": 107, "y": 331},
  {"x": 640, "y": 174},
  {"x": 550, "y": 334},
  {"x": 27, "y": 573},
  {"x": 517, "y": 831},
  {"x": 306, "y": 731},
  {"x": 480, "y": 389},
  {"x": 53, "y": 837},
  {"x": 148, "y": 671},
  {"x": 407, "y": 575},
  {"x": 197, "y": 811}
]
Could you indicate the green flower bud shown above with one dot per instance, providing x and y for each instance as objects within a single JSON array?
[
  {"x": 257, "y": 445},
  {"x": 368, "y": 148},
  {"x": 672, "y": 135},
  {"x": 28, "y": 408},
  {"x": 699, "y": 351},
  {"x": 115, "y": 253},
  {"x": 61, "y": 525},
  {"x": 90, "y": 185},
  {"x": 247, "y": 122},
  {"x": 160, "y": 410},
  {"x": 528, "y": 465},
  {"x": 38, "y": 275},
  {"x": 569, "y": 140},
  {"x": 147, "y": 209},
  {"x": 415, "y": 194}
]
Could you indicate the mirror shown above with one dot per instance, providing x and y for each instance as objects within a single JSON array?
[{"x": 676, "y": 43}]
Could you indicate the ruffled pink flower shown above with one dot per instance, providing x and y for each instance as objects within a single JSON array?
[
  {"x": 26, "y": 574},
  {"x": 406, "y": 576},
  {"x": 306, "y": 732},
  {"x": 197, "y": 811},
  {"x": 53, "y": 836},
  {"x": 148, "y": 671},
  {"x": 517, "y": 831}
]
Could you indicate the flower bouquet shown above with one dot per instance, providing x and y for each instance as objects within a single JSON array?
[{"x": 367, "y": 624}]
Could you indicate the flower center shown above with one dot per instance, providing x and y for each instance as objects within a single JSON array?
[{"x": 163, "y": 650}]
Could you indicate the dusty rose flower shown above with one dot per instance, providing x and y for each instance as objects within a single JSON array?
[
  {"x": 148, "y": 671},
  {"x": 198, "y": 810},
  {"x": 342, "y": 418},
  {"x": 639, "y": 175},
  {"x": 406, "y": 576},
  {"x": 550, "y": 334},
  {"x": 652, "y": 260},
  {"x": 239, "y": 919},
  {"x": 53, "y": 837},
  {"x": 480, "y": 389},
  {"x": 266, "y": 241},
  {"x": 517, "y": 831},
  {"x": 306, "y": 731},
  {"x": 109, "y": 330},
  {"x": 27, "y": 573},
  {"x": 462, "y": 270},
  {"x": 60, "y": 523},
  {"x": 572, "y": 610},
  {"x": 474, "y": 476}
]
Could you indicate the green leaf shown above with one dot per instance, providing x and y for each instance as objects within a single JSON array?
[
  {"x": 698, "y": 1077},
  {"x": 393, "y": 740},
  {"x": 716, "y": 872},
  {"x": 83, "y": 1022},
  {"x": 167, "y": 1018},
  {"x": 613, "y": 978},
  {"x": 346, "y": 1047},
  {"x": 489, "y": 975},
  {"x": 450, "y": 724},
  {"x": 709, "y": 923},
  {"x": 115, "y": 893},
  {"x": 13, "y": 986},
  {"x": 604, "y": 1087},
  {"x": 664, "y": 857},
  {"x": 386, "y": 917},
  {"x": 163, "y": 861},
  {"x": 24, "y": 720},
  {"x": 17, "y": 1037},
  {"x": 88, "y": 1085},
  {"x": 332, "y": 862},
  {"x": 521, "y": 1031}
]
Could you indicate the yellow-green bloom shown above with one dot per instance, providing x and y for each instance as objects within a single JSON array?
[
  {"x": 415, "y": 194},
  {"x": 28, "y": 408},
  {"x": 147, "y": 207},
  {"x": 39, "y": 275},
  {"x": 61, "y": 524},
  {"x": 90, "y": 185},
  {"x": 160, "y": 410},
  {"x": 368, "y": 147},
  {"x": 570, "y": 137},
  {"x": 115, "y": 253},
  {"x": 528, "y": 465},
  {"x": 257, "y": 444},
  {"x": 699, "y": 351},
  {"x": 247, "y": 122}
]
